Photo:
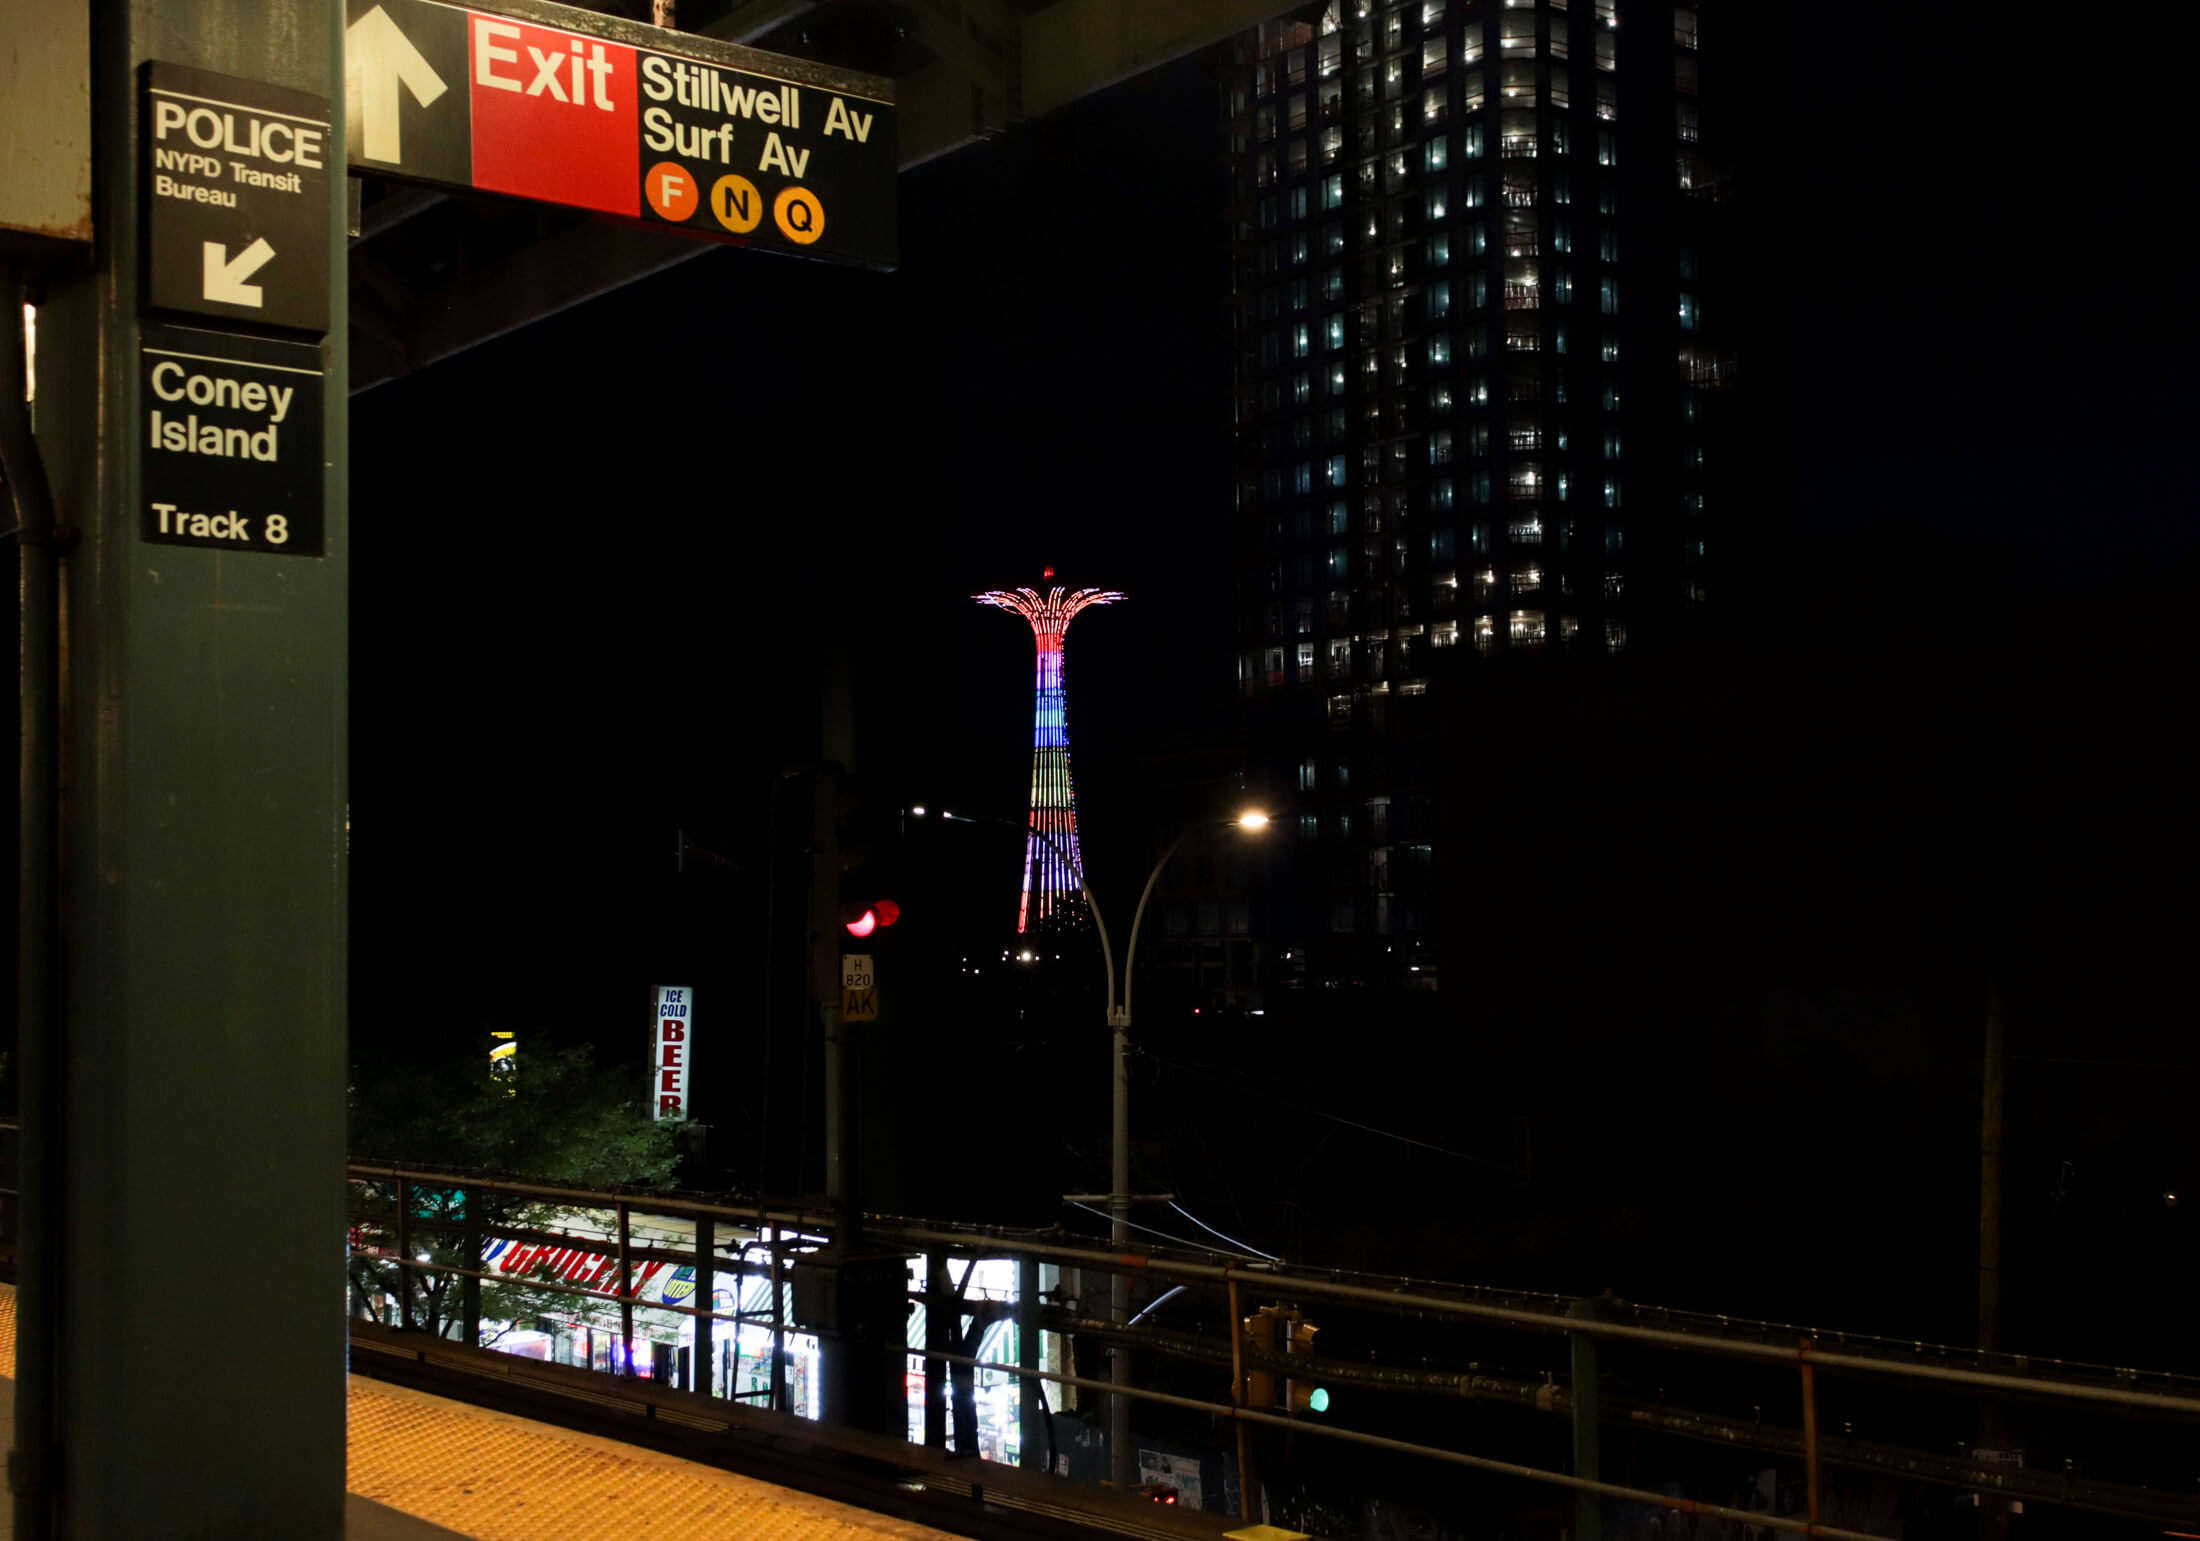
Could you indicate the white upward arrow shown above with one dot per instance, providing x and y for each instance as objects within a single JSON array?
[
  {"x": 225, "y": 278},
  {"x": 378, "y": 58}
]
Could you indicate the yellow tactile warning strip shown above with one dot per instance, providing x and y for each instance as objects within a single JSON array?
[{"x": 498, "y": 1478}]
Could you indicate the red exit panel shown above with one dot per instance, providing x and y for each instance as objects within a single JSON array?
[{"x": 554, "y": 115}]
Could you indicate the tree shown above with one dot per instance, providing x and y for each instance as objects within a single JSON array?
[{"x": 562, "y": 1120}]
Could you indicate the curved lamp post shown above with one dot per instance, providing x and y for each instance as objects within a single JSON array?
[{"x": 1119, "y": 1024}]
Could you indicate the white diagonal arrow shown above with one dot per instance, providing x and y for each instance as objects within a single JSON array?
[
  {"x": 378, "y": 58},
  {"x": 225, "y": 276}
]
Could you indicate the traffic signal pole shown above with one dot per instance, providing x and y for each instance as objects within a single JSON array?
[{"x": 199, "y": 819}]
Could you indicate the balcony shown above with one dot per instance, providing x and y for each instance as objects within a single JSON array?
[{"x": 1517, "y": 147}]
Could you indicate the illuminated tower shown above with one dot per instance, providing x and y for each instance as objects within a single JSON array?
[{"x": 1050, "y": 848}]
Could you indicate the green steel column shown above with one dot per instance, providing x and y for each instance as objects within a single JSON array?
[
  {"x": 1588, "y": 1507},
  {"x": 205, "y": 824}
]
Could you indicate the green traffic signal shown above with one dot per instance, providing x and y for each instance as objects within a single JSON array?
[{"x": 1319, "y": 1401}]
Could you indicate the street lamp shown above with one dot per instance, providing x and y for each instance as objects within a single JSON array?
[{"x": 1119, "y": 1182}]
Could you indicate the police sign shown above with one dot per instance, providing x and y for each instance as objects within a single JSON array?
[{"x": 236, "y": 199}]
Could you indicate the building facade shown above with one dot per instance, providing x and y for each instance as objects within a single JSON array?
[{"x": 1481, "y": 367}]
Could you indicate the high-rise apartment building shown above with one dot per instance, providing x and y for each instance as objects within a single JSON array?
[{"x": 1479, "y": 381}]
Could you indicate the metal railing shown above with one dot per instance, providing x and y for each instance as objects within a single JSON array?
[{"x": 1415, "y": 1331}]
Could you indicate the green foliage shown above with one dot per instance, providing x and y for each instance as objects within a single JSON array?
[{"x": 562, "y": 1119}]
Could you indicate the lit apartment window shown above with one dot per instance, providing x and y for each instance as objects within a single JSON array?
[
  {"x": 1607, "y": 296},
  {"x": 1302, "y": 478},
  {"x": 1435, "y": 56},
  {"x": 1607, "y": 148},
  {"x": 1336, "y": 471},
  {"x": 1439, "y": 350},
  {"x": 1439, "y": 251},
  {"x": 1611, "y": 444},
  {"x": 1478, "y": 390},
  {"x": 1615, "y": 636},
  {"x": 1561, "y": 94},
  {"x": 1333, "y": 330},
  {"x": 1437, "y": 204},
  {"x": 1684, "y": 26},
  {"x": 1525, "y": 532},
  {"x": 1485, "y": 583},
  {"x": 1470, "y": 42},
  {"x": 1439, "y": 447},
  {"x": 1310, "y": 827},
  {"x": 1615, "y": 585},
  {"x": 1615, "y": 541},
  {"x": 1608, "y": 100},
  {"x": 1309, "y": 775},
  {"x": 1340, "y": 658},
  {"x": 1485, "y": 634},
  {"x": 1611, "y": 492},
  {"x": 1562, "y": 293},
  {"x": 1333, "y": 190},
  {"x": 1436, "y": 154},
  {"x": 1516, "y": 35},
  {"x": 1442, "y": 544},
  {"x": 1689, "y": 315},
  {"x": 1687, "y": 123},
  {"x": 1339, "y": 516},
  {"x": 1302, "y": 340},
  {"x": 1527, "y": 628},
  {"x": 1332, "y": 241},
  {"x": 1432, "y": 15},
  {"x": 1306, "y": 660},
  {"x": 1440, "y": 493}
]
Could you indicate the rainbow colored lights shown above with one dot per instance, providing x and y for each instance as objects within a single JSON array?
[{"x": 1051, "y": 858}]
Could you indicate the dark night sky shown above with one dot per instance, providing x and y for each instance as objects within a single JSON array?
[{"x": 593, "y": 559}]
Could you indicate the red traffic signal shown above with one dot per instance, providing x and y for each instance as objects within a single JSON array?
[{"x": 883, "y": 912}]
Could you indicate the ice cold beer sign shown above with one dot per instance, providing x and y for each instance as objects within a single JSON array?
[{"x": 674, "y": 1054}]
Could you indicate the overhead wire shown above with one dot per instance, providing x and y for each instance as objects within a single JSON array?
[{"x": 1196, "y": 1246}]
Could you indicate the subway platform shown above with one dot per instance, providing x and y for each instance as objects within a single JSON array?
[{"x": 425, "y": 1468}]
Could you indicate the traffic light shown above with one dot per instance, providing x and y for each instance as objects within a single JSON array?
[
  {"x": 1300, "y": 1393},
  {"x": 1262, "y": 1331},
  {"x": 870, "y": 858},
  {"x": 1274, "y": 1330}
]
